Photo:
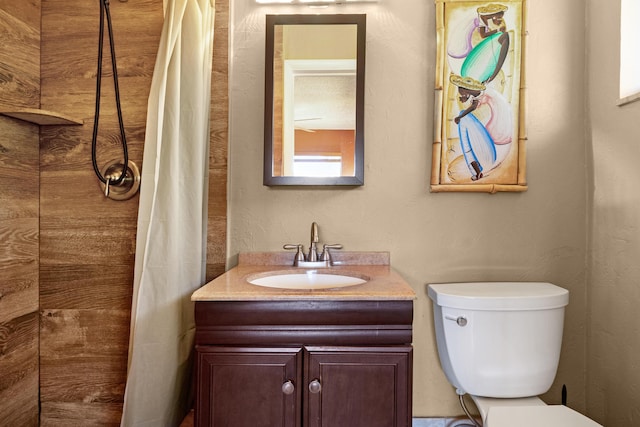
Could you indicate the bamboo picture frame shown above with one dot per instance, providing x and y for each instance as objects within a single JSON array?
[{"x": 479, "y": 142}]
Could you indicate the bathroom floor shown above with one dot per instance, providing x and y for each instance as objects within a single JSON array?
[
  {"x": 417, "y": 422},
  {"x": 188, "y": 420}
]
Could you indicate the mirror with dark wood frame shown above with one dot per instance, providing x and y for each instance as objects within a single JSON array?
[{"x": 314, "y": 100}]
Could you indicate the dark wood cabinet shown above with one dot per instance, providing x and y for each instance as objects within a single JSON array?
[
  {"x": 249, "y": 386},
  {"x": 359, "y": 386},
  {"x": 295, "y": 364}
]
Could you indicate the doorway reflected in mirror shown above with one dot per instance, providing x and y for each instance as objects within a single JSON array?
[{"x": 314, "y": 100}]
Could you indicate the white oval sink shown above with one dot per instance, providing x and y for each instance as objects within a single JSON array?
[{"x": 306, "y": 280}]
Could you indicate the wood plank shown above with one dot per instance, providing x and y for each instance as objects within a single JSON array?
[
  {"x": 19, "y": 239},
  {"x": 220, "y": 89},
  {"x": 19, "y": 62},
  {"x": 19, "y": 177},
  {"x": 71, "y": 242},
  {"x": 60, "y": 190},
  {"x": 83, "y": 355},
  {"x": 217, "y": 202},
  {"x": 76, "y": 97},
  {"x": 19, "y": 367},
  {"x": 18, "y": 290},
  {"x": 136, "y": 29},
  {"x": 26, "y": 11},
  {"x": 135, "y": 57},
  {"x": 19, "y": 403},
  {"x": 217, "y": 242},
  {"x": 217, "y": 192},
  {"x": 65, "y": 414},
  {"x": 97, "y": 231},
  {"x": 19, "y": 344},
  {"x": 67, "y": 149},
  {"x": 82, "y": 333},
  {"x": 87, "y": 378},
  {"x": 19, "y": 195},
  {"x": 19, "y": 146},
  {"x": 19, "y": 87},
  {"x": 214, "y": 270},
  {"x": 107, "y": 286}
]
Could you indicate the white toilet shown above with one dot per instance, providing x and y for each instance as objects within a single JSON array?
[{"x": 500, "y": 343}]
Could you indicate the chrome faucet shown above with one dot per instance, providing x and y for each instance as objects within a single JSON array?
[
  {"x": 326, "y": 255},
  {"x": 299, "y": 253},
  {"x": 312, "y": 260},
  {"x": 313, "y": 251}
]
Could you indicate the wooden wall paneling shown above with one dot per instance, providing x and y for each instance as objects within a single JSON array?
[
  {"x": 65, "y": 414},
  {"x": 217, "y": 206},
  {"x": 18, "y": 273},
  {"x": 75, "y": 287},
  {"x": 83, "y": 363},
  {"x": 18, "y": 169},
  {"x": 19, "y": 210},
  {"x": 217, "y": 223},
  {"x": 18, "y": 288},
  {"x": 65, "y": 148},
  {"x": 19, "y": 367},
  {"x": 20, "y": 53},
  {"x": 78, "y": 225},
  {"x": 95, "y": 344},
  {"x": 88, "y": 241},
  {"x": 27, "y": 11},
  {"x": 18, "y": 268}
]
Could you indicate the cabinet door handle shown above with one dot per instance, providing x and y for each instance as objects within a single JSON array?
[
  {"x": 288, "y": 387},
  {"x": 315, "y": 386}
]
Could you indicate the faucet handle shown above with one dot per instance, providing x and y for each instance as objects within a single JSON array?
[
  {"x": 326, "y": 256},
  {"x": 299, "y": 254}
]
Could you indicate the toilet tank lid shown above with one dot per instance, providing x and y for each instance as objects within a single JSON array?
[{"x": 501, "y": 296}]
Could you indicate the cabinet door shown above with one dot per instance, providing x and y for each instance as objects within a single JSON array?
[
  {"x": 358, "y": 386},
  {"x": 248, "y": 387}
]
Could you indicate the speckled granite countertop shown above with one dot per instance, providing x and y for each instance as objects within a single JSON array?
[{"x": 383, "y": 283}]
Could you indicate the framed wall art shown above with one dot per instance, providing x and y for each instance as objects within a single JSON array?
[{"x": 479, "y": 125}]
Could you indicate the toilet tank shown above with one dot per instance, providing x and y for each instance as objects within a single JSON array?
[{"x": 499, "y": 339}]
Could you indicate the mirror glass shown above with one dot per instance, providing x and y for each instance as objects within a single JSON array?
[{"x": 314, "y": 100}]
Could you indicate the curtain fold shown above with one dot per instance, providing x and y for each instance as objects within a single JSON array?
[{"x": 170, "y": 260}]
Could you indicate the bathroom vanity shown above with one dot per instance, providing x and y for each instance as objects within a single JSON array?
[{"x": 304, "y": 357}]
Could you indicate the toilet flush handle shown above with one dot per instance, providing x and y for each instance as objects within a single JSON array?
[{"x": 460, "y": 320}]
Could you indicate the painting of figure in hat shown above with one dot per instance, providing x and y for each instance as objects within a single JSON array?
[{"x": 479, "y": 72}]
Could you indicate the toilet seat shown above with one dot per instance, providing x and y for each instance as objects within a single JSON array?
[{"x": 536, "y": 416}]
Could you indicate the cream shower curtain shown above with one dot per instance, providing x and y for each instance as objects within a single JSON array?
[{"x": 171, "y": 241}]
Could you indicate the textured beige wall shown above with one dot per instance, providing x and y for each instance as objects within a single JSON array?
[
  {"x": 536, "y": 235},
  {"x": 613, "y": 379}
]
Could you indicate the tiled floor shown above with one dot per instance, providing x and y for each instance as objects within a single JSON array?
[
  {"x": 441, "y": 422},
  {"x": 417, "y": 422}
]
